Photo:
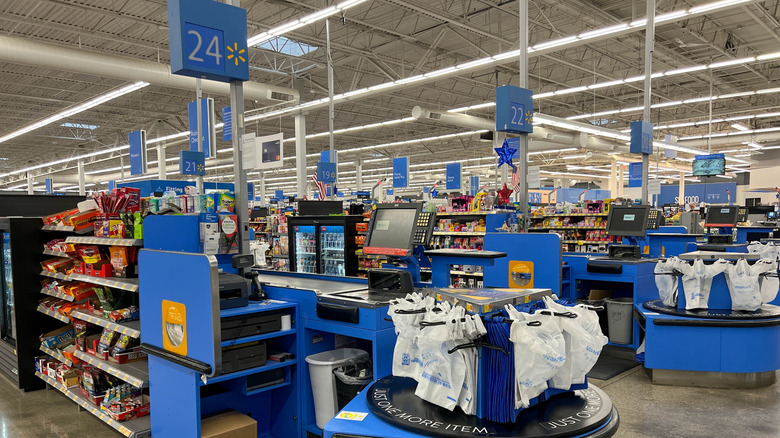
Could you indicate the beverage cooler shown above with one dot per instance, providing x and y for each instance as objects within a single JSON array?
[
  {"x": 21, "y": 249},
  {"x": 324, "y": 244}
]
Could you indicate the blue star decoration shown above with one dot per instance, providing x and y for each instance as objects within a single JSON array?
[{"x": 505, "y": 154}]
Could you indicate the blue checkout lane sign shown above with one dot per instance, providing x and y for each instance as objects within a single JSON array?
[
  {"x": 48, "y": 186},
  {"x": 192, "y": 163},
  {"x": 326, "y": 172},
  {"x": 137, "y": 140},
  {"x": 473, "y": 185},
  {"x": 227, "y": 124},
  {"x": 208, "y": 39},
  {"x": 514, "y": 110},
  {"x": 635, "y": 174}
]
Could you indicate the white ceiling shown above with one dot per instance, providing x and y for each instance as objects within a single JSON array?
[{"x": 376, "y": 42}]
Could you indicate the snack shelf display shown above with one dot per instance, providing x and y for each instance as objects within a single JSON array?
[
  {"x": 59, "y": 295},
  {"x": 56, "y": 354},
  {"x": 458, "y": 233},
  {"x": 129, "y": 328},
  {"x": 91, "y": 240},
  {"x": 57, "y": 275},
  {"x": 580, "y": 231},
  {"x": 54, "y": 314},
  {"x": 128, "y": 284},
  {"x": 135, "y": 428},
  {"x": 55, "y": 253},
  {"x": 134, "y": 373},
  {"x": 68, "y": 229}
]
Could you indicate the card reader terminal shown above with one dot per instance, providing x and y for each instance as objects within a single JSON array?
[{"x": 423, "y": 229}]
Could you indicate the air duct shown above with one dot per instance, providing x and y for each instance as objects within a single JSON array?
[{"x": 37, "y": 54}]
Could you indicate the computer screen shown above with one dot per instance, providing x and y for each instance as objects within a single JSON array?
[
  {"x": 627, "y": 220},
  {"x": 742, "y": 216},
  {"x": 709, "y": 167},
  {"x": 721, "y": 216},
  {"x": 392, "y": 229},
  {"x": 771, "y": 215}
]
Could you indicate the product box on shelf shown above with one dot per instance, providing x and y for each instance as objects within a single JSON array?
[
  {"x": 209, "y": 233},
  {"x": 61, "y": 335},
  {"x": 56, "y": 218},
  {"x": 133, "y": 355},
  {"x": 80, "y": 221},
  {"x": 132, "y": 407},
  {"x": 231, "y": 424}
]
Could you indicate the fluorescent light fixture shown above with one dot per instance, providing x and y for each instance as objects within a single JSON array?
[
  {"x": 683, "y": 70},
  {"x": 552, "y": 151},
  {"x": 80, "y": 126},
  {"x": 715, "y": 5},
  {"x": 740, "y": 126},
  {"x": 75, "y": 110},
  {"x": 731, "y": 62},
  {"x": 300, "y": 22}
]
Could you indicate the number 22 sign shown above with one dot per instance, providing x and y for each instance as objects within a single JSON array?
[
  {"x": 208, "y": 40},
  {"x": 514, "y": 109}
]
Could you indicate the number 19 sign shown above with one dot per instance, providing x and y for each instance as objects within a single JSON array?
[{"x": 208, "y": 40}]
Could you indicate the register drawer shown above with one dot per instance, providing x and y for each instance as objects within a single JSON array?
[
  {"x": 252, "y": 324},
  {"x": 243, "y": 356}
]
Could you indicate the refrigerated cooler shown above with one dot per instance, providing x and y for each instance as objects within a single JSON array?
[
  {"x": 21, "y": 248},
  {"x": 324, "y": 244}
]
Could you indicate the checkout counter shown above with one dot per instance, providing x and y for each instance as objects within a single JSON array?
[{"x": 208, "y": 352}]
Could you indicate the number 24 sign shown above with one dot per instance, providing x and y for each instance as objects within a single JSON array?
[{"x": 208, "y": 40}]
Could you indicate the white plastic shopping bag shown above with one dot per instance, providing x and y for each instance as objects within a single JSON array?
[
  {"x": 769, "y": 283},
  {"x": 666, "y": 281},
  {"x": 441, "y": 377},
  {"x": 697, "y": 281},
  {"x": 743, "y": 286},
  {"x": 540, "y": 352},
  {"x": 584, "y": 341},
  {"x": 406, "y": 361}
]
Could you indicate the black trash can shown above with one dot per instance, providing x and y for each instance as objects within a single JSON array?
[
  {"x": 601, "y": 313},
  {"x": 350, "y": 380}
]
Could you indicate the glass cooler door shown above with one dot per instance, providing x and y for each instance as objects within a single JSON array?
[
  {"x": 305, "y": 249},
  {"x": 332, "y": 250},
  {"x": 7, "y": 329}
]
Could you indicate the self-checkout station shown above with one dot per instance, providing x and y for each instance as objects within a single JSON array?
[{"x": 257, "y": 341}]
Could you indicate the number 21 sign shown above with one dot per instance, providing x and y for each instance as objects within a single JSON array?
[{"x": 208, "y": 40}]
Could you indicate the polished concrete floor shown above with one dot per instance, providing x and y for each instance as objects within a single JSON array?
[{"x": 646, "y": 410}]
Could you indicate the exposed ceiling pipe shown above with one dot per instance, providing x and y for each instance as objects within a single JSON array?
[
  {"x": 37, "y": 54},
  {"x": 473, "y": 122}
]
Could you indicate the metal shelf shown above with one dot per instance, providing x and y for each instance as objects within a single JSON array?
[
  {"x": 57, "y": 275},
  {"x": 575, "y": 214},
  {"x": 128, "y": 284},
  {"x": 57, "y": 355},
  {"x": 55, "y": 253},
  {"x": 581, "y": 242},
  {"x": 104, "y": 241},
  {"x": 270, "y": 365},
  {"x": 459, "y": 233},
  {"x": 135, "y": 428},
  {"x": 67, "y": 229},
  {"x": 592, "y": 227},
  {"x": 134, "y": 373},
  {"x": 270, "y": 335},
  {"x": 53, "y": 314},
  {"x": 129, "y": 328},
  {"x": 468, "y": 213},
  {"x": 475, "y": 274},
  {"x": 59, "y": 295}
]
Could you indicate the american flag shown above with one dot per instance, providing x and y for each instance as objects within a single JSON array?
[
  {"x": 516, "y": 180},
  {"x": 320, "y": 187}
]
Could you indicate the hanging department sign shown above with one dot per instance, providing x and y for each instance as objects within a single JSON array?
[
  {"x": 137, "y": 140},
  {"x": 207, "y": 39},
  {"x": 453, "y": 176},
  {"x": 400, "y": 172}
]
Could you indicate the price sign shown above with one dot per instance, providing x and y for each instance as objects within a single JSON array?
[
  {"x": 192, "y": 163},
  {"x": 208, "y": 39},
  {"x": 326, "y": 172},
  {"x": 514, "y": 110}
]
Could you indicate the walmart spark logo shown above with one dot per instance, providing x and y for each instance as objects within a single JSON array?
[
  {"x": 235, "y": 53},
  {"x": 201, "y": 167},
  {"x": 529, "y": 117}
]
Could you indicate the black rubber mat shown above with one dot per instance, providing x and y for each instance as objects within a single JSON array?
[{"x": 608, "y": 367}]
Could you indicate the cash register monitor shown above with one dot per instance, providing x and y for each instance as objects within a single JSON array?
[
  {"x": 724, "y": 216},
  {"x": 627, "y": 220},
  {"x": 771, "y": 215},
  {"x": 391, "y": 230}
]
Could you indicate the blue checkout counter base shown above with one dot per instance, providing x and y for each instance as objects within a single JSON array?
[
  {"x": 765, "y": 312},
  {"x": 710, "y": 352},
  {"x": 389, "y": 408}
]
